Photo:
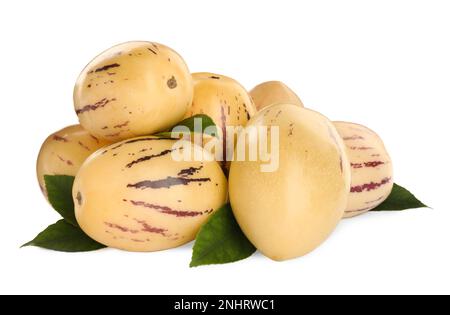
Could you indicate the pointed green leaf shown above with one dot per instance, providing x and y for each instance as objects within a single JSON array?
[
  {"x": 221, "y": 241},
  {"x": 59, "y": 191},
  {"x": 64, "y": 237},
  {"x": 189, "y": 123},
  {"x": 400, "y": 199}
]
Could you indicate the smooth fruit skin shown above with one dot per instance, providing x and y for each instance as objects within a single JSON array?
[
  {"x": 272, "y": 93},
  {"x": 371, "y": 166},
  {"x": 290, "y": 212},
  {"x": 64, "y": 151},
  {"x": 133, "y": 196},
  {"x": 133, "y": 89},
  {"x": 223, "y": 99}
]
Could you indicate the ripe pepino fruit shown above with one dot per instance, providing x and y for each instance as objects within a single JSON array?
[
  {"x": 133, "y": 89},
  {"x": 136, "y": 196},
  {"x": 272, "y": 93},
  {"x": 63, "y": 152},
  {"x": 228, "y": 104},
  {"x": 289, "y": 210},
  {"x": 371, "y": 165}
]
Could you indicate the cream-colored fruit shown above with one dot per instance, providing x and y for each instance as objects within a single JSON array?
[
  {"x": 372, "y": 173},
  {"x": 63, "y": 152},
  {"x": 290, "y": 212},
  {"x": 134, "y": 196},
  {"x": 272, "y": 93},
  {"x": 133, "y": 89},
  {"x": 224, "y": 100}
]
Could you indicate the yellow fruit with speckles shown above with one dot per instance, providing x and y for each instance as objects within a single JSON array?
[
  {"x": 372, "y": 172},
  {"x": 224, "y": 100},
  {"x": 133, "y": 195},
  {"x": 291, "y": 211},
  {"x": 272, "y": 93},
  {"x": 133, "y": 89},
  {"x": 63, "y": 152}
]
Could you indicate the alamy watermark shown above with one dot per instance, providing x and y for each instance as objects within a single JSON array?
[{"x": 252, "y": 143}]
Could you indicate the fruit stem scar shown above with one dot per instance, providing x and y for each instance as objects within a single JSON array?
[
  {"x": 172, "y": 83},
  {"x": 79, "y": 198}
]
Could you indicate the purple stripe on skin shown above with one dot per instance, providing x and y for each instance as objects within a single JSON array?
[
  {"x": 370, "y": 186},
  {"x": 168, "y": 210}
]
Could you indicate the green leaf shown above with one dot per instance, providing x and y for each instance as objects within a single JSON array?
[
  {"x": 400, "y": 199},
  {"x": 64, "y": 237},
  {"x": 205, "y": 120},
  {"x": 59, "y": 191},
  {"x": 221, "y": 241},
  {"x": 190, "y": 122}
]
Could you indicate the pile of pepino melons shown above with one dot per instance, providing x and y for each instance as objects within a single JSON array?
[{"x": 130, "y": 193}]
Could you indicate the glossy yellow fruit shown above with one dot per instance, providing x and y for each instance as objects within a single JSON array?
[
  {"x": 372, "y": 172},
  {"x": 224, "y": 100},
  {"x": 133, "y": 89},
  {"x": 134, "y": 196},
  {"x": 63, "y": 152},
  {"x": 290, "y": 212},
  {"x": 272, "y": 93}
]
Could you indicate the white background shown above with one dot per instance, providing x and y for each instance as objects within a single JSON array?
[{"x": 385, "y": 64}]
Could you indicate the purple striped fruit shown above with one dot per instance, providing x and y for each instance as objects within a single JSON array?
[
  {"x": 64, "y": 151},
  {"x": 372, "y": 173},
  {"x": 224, "y": 100},
  {"x": 134, "y": 196},
  {"x": 133, "y": 89}
]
